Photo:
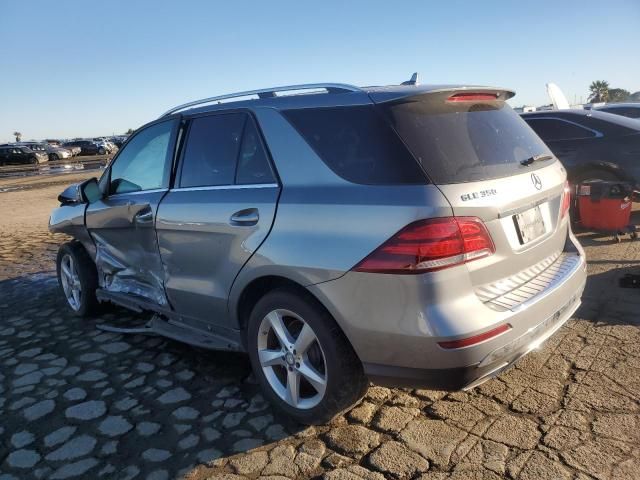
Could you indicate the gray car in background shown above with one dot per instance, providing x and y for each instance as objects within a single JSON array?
[
  {"x": 53, "y": 153},
  {"x": 406, "y": 235}
]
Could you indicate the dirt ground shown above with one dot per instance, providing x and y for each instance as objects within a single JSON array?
[{"x": 76, "y": 402}]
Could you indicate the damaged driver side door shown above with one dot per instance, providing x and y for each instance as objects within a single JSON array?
[{"x": 122, "y": 223}]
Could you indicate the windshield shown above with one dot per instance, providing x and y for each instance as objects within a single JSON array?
[{"x": 466, "y": 141}]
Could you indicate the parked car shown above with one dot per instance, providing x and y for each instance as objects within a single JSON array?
[
  {"x": 591, "y": 144},
  {"x": 87, "y": 147},
  {"x": 53, "y": 152},
  {"x": 406, "y": 235},
  {"x": 118, "y": 141},
  {"x": 106, "y": 144},
  {"x": 631, "y": 110},
  {"x": 16, "y": 154}
]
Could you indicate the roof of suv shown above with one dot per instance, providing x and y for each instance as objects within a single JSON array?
[{"x": 322, "y": 94}]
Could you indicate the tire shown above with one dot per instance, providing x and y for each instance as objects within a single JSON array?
[
  {"x": 328, "y": 357},
  {"x": 101, "y": 151},
  {"x": 33, "y": 161},
  {"x": 81, "y": 272},
  {"x": 53, "y": 157}
]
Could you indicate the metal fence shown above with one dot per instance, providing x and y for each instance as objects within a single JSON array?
[{"x": 57, "y": 166}]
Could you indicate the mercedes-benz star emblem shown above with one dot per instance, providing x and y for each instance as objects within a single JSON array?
[{"x": 535, "y": 179}]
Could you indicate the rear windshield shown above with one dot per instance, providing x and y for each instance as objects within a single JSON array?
[
  {"x": 358, "y": 144},
  {"x": 465, "y": 141}
]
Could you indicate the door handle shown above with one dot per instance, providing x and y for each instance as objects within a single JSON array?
[
  {"x": 144, "y": 216},
  {"x": 246, "y": 217}
]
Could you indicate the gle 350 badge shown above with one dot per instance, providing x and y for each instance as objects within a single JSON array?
[{"x": 480, "y": 194}]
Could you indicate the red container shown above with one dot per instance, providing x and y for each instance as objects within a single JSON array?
[{"x": 604, "y": 206}]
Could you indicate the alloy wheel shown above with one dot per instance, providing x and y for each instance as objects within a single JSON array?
[
  {"x": 292, "y": 359},
  {"x": 70, "y": 282}
]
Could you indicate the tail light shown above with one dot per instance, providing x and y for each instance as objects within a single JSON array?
[
  {"x": 565, "y": 201},
  {"x": 429, "y": 245},
  {"x": 469, "y": 341},
  {"x": 472, "y": 97}
]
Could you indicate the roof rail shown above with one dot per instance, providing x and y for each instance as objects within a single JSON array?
[{"x": 269, "y": 93}]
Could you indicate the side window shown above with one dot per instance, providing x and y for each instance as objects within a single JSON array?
[
  {"x": 144, "y": 164},
  {"x": 357, "y": 144},
  {"x": 549, "y": 129},
  {"x": 253, "y": 164},
  {"x": 211, "y": 151}
]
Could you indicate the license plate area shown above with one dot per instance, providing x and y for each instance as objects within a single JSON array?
[{"x": 529, "y": 225}]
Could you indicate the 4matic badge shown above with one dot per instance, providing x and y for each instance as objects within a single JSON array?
[{"x": 480, "y": 194}]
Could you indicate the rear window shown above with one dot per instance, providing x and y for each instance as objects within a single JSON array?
[
  {"x": 465, "y": 141},
  {"x": 357, "y": 144}
]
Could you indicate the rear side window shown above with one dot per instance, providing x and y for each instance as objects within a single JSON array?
[
  {"x": 357, "y": 144},
  {"x": 465, "y": 141},
  {"x": 552, "y": 129},
  {"x": 253, "y": 164},
  {"x": 213, "y": 143}
]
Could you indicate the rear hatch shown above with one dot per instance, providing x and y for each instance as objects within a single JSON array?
[{"x": 489, "y": 164}]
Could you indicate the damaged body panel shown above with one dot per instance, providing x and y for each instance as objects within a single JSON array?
[
  {"x": 69, "y": 219},
  {"x": 127, "y": 256}
]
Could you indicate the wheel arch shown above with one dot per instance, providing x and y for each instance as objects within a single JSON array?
[{"x": 260, "y": 286}]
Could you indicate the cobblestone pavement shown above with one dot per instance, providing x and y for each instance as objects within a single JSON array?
[{"x": 76, "y": 402}]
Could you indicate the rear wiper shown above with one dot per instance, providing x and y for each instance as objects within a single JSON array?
[{"x": 536, "y": 158}]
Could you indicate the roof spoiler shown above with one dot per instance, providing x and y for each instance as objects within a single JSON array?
[{"x": 407, "y": 91}]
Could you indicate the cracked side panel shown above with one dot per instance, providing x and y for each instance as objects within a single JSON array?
[
  {"x": 138, "y": 276},
  {"x": 127, "y": 255}
]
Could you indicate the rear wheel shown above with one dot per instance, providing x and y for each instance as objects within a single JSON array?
[
  {"x": 302, "y": 359},
  {"x": 78, "y": 278}
]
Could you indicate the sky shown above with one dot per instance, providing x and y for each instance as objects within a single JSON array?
[{"x": 82, "y": 68}]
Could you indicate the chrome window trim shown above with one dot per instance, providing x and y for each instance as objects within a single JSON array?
[
  {"x": 598, "y": 134},
  {"x": 224, "y": 187},
  {"x": 138, "y": 192}
]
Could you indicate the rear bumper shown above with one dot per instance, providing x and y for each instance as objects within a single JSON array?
[
  {"x": 395, "y": 322},
  {"x": 466, "y": 378}
]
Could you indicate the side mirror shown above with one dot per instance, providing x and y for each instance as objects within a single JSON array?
[{"x": 84, "y": 192}]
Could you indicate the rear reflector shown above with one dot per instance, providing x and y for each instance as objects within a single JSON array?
[
  {"x": 473, "y": 97},
  {"x": 565, "y": 202},
  {"x": 429, "y": 245},
  {"x": 469, "y": 341}
]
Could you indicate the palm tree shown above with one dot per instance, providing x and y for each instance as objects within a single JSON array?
[
  {"x": 599, "y": 91},
  {"x": 18, "y": 136}
]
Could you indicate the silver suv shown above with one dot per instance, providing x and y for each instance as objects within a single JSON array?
[{"x": 406, "y": 235}]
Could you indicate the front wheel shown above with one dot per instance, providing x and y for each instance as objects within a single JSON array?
[
  {"x": 102, "y": 151},
  {"x": 78, "y": 279},
  {"x": 53, "y": 157},
  {"x": 302, "y": 359}
]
